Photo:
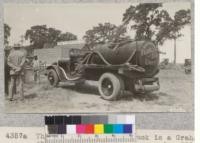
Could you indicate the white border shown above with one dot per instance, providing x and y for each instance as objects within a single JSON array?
[{"x": 197, "y": 71}]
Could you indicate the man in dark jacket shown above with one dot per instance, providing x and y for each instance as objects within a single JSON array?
[
  {"x": 16, "y": 60},
  {"x": 7, "y": 72}
]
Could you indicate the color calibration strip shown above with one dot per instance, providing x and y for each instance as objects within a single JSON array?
[{"x": 111, "y": 124}]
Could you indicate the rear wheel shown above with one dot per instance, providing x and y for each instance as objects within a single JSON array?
[
  {"x": 110, "y": 86},
  {"x": 53, "y": 78}
]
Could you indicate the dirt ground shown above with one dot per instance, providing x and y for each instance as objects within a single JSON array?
[{"x": 175, "y": 95}]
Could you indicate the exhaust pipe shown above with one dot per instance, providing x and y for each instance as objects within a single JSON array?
[{"x": 139, "y": 87}]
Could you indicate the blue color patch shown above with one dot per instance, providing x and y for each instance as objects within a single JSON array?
[
  {"x": 118, "y": 128},
  {"x": 128, "y": 128}
]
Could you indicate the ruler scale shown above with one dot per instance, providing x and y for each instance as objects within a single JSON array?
[
  {"x": 90, "y": 129},
  {"x": 87, "y": 139}
]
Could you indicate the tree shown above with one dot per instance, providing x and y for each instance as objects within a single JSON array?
[
  {"x": 53, "y": 36},
  {"x": 155, "y": 24},
  {"x": 7, "y": 30},
  {"x": 147, "y": 18},
  {"x": 67, "y": 36},
  {"x": 103, "y": 33},
  {"x": 171, "y": 28},
  {"x": 40, "y": 35}
]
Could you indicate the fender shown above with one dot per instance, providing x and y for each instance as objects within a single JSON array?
[
  {"x": 58, "y": 71},
  {"x": 61, "y": 73}
]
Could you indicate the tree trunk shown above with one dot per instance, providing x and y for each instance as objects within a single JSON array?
[{"x": 175, "y": 51}]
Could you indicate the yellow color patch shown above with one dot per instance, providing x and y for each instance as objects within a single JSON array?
[{"x": 98, "y": 128}]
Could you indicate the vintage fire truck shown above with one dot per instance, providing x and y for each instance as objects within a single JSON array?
[{"x": 119, "y": 66}]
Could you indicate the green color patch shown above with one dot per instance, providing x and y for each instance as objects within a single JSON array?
[{"x": 108, "y": 128}]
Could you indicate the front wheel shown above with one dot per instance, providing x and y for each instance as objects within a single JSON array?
[
  {"x": 53, "y": 77},
  {"x": 110, "y": 86}
]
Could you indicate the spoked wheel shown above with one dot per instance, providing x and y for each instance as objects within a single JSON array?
[
  {"x": 107, "y": 87},
  {"x": 53, "y": 78},
  {"x": 110, "y": 86}
]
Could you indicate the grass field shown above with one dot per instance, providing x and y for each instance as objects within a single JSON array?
[{"x": 175, "y": 95}]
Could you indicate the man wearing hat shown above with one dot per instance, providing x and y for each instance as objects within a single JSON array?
[{"x": 16, "y": 60}]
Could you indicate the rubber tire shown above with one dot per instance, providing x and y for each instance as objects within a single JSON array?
[
  {"x": 118, "y": 86},
  {"x": 55, "y": 76}
]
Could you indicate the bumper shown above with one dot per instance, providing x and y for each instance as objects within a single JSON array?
[{"x": 147, "y": 85}]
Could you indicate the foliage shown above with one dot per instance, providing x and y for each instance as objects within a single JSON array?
[
  {"x": 7, "y": 30},
  {"x": 153, "y": 23},
  {"x": 103, "y": 33},
  {"x": 67, "y": 35},
  {"x": 147, "y": 18},
  {"x": 171, "y": 28},
  {"x": 40, "y": 35},
  {"x": 53, "y": 35}
]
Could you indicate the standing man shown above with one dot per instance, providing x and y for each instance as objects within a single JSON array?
[
  {"x": 7, "y": 71},
  {"x": 16, "y": 60},
  {"x": 36, "y": 67}
]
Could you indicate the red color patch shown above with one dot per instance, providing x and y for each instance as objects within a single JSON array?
[{"x": 89, "y": 129}]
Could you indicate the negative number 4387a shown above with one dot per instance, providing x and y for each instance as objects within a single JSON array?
[{"x": 15, "y": 135}]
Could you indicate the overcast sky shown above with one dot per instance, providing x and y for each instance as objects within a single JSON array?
[{"x": 78, "y": 18}]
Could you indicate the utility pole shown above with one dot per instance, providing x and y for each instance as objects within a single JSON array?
[{"x": 174, "y": 50}]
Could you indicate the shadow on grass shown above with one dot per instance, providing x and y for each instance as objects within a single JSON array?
[
  {"x": 30, "y": 96},
  {"x": 128, "y": 96},
  {"x": 84, "y": 88}
]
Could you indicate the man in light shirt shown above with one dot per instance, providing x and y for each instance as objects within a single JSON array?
[{"x": 16, "y": 60}]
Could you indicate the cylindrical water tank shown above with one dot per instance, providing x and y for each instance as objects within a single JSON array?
[{"x": 142, "y": 53}]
